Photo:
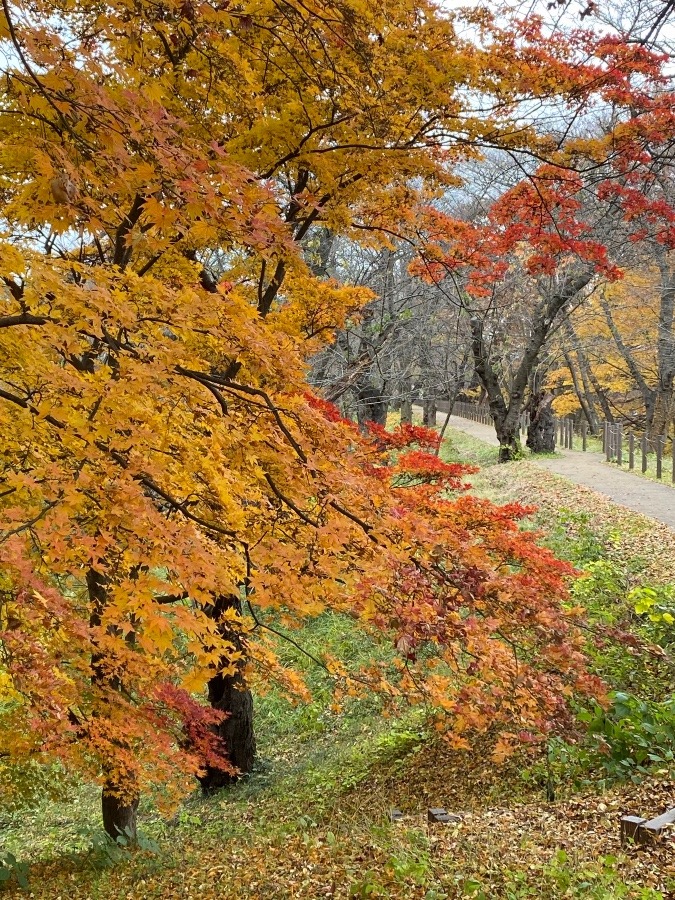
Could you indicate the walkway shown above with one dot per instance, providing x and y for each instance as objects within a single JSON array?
[{"x": 590, "y": 469}]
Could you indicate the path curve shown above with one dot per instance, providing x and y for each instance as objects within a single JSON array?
[{"x": 590, "y": 469}]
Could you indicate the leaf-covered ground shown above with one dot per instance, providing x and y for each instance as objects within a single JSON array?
[{"x": 314, "y": 820}]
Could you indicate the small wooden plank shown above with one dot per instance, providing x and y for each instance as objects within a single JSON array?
[
  {"x": 437, "y": 815},
  {"x": 655, "y": 827},
  {"x": 644, "y": 831},
  {"x": 630, "y": 827}
]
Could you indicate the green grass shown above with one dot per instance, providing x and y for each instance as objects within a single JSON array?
[{"x": 461, "y": 447}]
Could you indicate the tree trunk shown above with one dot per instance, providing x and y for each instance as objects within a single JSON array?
[
  {"x": 663, "y": 401},
  {"x": 585, "y": 402},
  {"x": 509, "y": 442},
  {"x": 230, "y": 694},
  {"x": 541, "y": 430},
  {"x": 372, "y": 405},
  {"x": 119, "y": 814},
  {"x": 506, "y": 418},
  {"x": 120, "y": 795},
  {"x": 429, "y": 412},
  {"x": 583, "y": 390},
  {"x": 662, "y": 412}
]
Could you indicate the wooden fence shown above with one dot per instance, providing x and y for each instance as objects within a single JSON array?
[
  {"x": 478, "y": 412},
  {"x": 618, "y": 445}
]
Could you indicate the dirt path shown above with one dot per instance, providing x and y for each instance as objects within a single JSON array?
[{"x": 590, "y": 469}]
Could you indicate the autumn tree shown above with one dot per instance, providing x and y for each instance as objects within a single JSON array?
[{"x": 167, "y": 484}]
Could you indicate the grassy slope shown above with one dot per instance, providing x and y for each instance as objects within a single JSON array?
[{"x": 313, "y": 822}]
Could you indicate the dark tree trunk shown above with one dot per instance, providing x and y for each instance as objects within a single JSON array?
[
  {"x": 585, "y": 401},
  {"x": 509, "y": 441},
  {"x": 665, "y": 398},
  {"x": 372, "y": 405},
  {"x": 119, "y": 815},
  {"x": 230, "y": 694},
  {"x": 662, "y": 411},
  {"x": 541, "y": 430},
  {"x": 120, "y": 795}
]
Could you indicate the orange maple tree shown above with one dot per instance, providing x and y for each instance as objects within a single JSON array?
[{"x": 166, "y": 481}]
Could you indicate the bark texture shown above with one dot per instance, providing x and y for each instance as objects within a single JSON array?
[
  {"x": 372, "y": 405},
  {"x": 541, "y": 430},
  {"x": 119, "y": 815},
  {"x": 231, "y": 695}
]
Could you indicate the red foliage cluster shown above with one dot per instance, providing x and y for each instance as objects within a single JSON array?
[
  {"x": 199, "y": 723},
  {"x": 328, "y": 410},
  {"x": 404, "y": 436}
]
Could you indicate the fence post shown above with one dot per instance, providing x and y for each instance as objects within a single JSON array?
[
  {"x": 571, "y": 434},
  {"x": 608, "y": 441},
  {"x": 660, "y": 440},
  {"x": 631, "y": 450},
  {"x": 583, "y": 435},
  {"x": 672, "y": 446},
  {"x": 644, "y": 453},
  {"x": 619, "y": 438}
]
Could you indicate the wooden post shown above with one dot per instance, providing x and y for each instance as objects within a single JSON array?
[
  {"x": 571, "y": 434},
  {"x": 608, "y": 441},
  {"x": 644, "y": 453},
  {"x": 619, "y": 438},
  {"x": 660, "y": 440},
  {"x": 631, "y": 450},
  {"x": 672, "y": 445},
  {"x": 584, "y": 428}
]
